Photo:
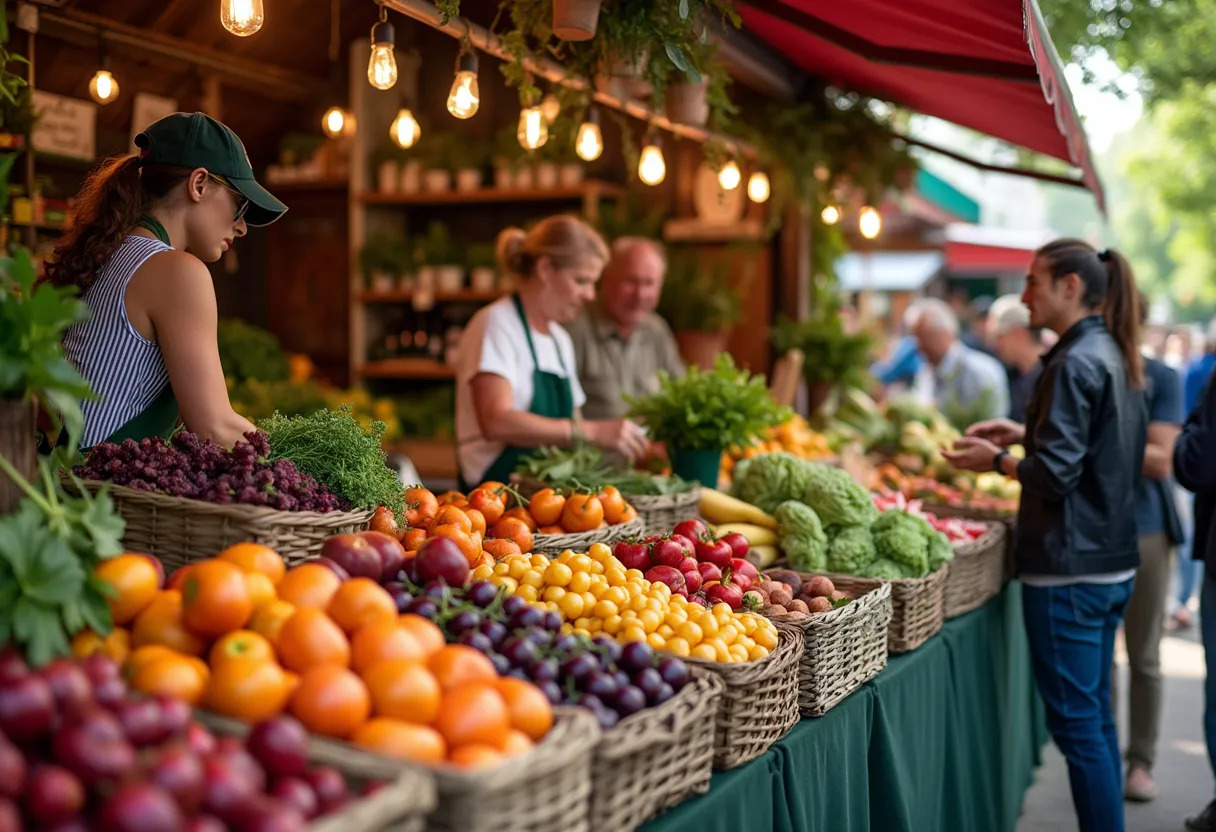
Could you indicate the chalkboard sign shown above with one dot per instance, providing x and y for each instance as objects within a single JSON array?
[{"x": 65, "y": 126}]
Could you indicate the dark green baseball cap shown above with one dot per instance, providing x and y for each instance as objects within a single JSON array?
[{"x": 196, "y": 140}]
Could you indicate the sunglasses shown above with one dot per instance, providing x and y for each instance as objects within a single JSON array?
[{"x": 242, "y": 201}]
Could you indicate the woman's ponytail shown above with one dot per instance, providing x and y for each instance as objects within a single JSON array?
[{"x": 1122, "y": 313}]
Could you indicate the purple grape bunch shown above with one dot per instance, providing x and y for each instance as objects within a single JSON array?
[
  {"x": 186, "y": 466},
  {"x": 611, "y": 680}
]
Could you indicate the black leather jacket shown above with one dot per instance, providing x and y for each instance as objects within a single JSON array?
[
  {"x": 1195, "y": 469},
  {"x": 1085, "y": 436}
]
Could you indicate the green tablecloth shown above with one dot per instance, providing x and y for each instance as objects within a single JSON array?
[{"x": 947, "y": 737}]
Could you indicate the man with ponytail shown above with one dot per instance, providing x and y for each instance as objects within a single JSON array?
[{"x": 1076, "y": 548}]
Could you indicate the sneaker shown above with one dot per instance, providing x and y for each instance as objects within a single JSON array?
[
  {"x": 1139, "y": 786},
  {"x": 1205, "y": 821}
]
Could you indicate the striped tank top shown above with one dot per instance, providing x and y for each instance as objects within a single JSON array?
[{"x": 126, "y": 370}]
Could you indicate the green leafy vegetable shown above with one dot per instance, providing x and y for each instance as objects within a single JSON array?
[
  {"x": 584, "y": 469},
  {"x": 249, "y": 352}
]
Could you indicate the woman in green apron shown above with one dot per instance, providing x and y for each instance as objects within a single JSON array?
[
  {"x": 516, "y": 389},
  {"x": 145, "y": 226}
]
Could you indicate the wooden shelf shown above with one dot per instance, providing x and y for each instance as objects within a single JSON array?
[
  {"x": 693, "y": 230},
  {"x": 311, "y": 185},
  {"x": 41, "y": 226},
  {"x": 407, "y": 368},
  {"x": 592, "y": 189},
  {"x": 407, "y": 295}
]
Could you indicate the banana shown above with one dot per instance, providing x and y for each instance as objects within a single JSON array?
[
  {"x": 717, "y": 507},
  {"x": 763, "y": 556},
  {"x": 756, "y": 535}
]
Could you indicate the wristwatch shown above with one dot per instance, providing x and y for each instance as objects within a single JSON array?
[{"x": 996, "y": 461}]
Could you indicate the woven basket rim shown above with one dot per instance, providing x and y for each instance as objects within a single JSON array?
[
  {"x": 789, "y": 641},
  {"x": 656, "y": 502},
  {"x": 610, "y": 534},
  {"x": 969, "y": 512},
  {"x": 866, "y": 603},
  {"x": 700, "y": 688},
  {"x": 993, "y": 535}
]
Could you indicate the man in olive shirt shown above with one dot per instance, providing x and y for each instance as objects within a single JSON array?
[{"x": 620, "y": 342}]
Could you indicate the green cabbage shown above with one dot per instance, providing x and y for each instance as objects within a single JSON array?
[
  {"x": 851, "y": 551},
  {"x": 941, "y": 551},
  {"x": 837, "y": 497},
  {"x": 768, "y": 480},
  {"x": 802, "y": 537},
  {"x": 887, "y": 570}
]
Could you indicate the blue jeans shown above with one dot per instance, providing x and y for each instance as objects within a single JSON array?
[
  {"x": 1071, "y": 631},
  {"x": 1190, "y": 572},
  {"x": 1207, "y": 623}
]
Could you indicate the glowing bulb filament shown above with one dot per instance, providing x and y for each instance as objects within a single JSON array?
[
  {"x": 652, "y": 169},
  {"x": 590, "y": 142},
  {"x": 103, "y": 87},
  {"x": 758, "y": 189},
  {"x": 405, "y": 130},
  {"x": 830, "y": 215},
  {"x": 334, "y": 122},
  {"x": 465, "y": 96},
  {"x": 869, "y": 222},
  {"x": 382, "y": 67},
  {"x": 730, "y": 177},
  {"x": 533, "y": 132},
  {"x": 241, "y": 17}
]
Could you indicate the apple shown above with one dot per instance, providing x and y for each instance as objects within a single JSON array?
[
  {"x": 175, "y": 716},
  {"x": 692, "y": 580},
  {"x": 10, "y": 818},
  {"x": 12, "y": 769},
  {"x": 27, "y": 707},
  {"x": 329, "y": 786},
  {"x": 280, "y": 745},
  {"x": 709, "y": 572},
  {"x": 740, "y": 569},
  {"x": 332, "y": 565},
  {"x": 159, "y": 567},
  {"x": 93, "y": 747},
  {"x": 52, "y": 793},
  {"x": 668, "y": 553},
  {"x": 390, "y": 551},
  {"x": 714, "y": 551},
  {"x": 295, "y": 792},
  {"x": 199, "y": 739},
  {"x": 692, "y": 529},
  {"x": 355, "y": 554},
  {"x": 225, "y": 788},
  {"x": 76, "y": 824},
  {"x": 632, "y": 554},
  {"x": 265, "y": 814},
  {"x": 70, "y": 685},
  {"x": 140, "y": 807},
  {"x": 204, "y": 823},
  {"x": 110, "y": 692},
  {"x": 440, "y": 559},
  {"x": 179, "y": 771},
  {"x": 233, "y": 750},
  {"x": 141, "y": 721}
]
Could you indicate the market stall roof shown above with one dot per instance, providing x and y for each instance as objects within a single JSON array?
[
  {"x": 888, "y": 271},
  {"x": 990, "y": 66},
  {"x": 973, "y": 248}
]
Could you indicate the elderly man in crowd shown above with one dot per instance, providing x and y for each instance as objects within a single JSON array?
[
  {"x": 1019, "y": 348},
  {"x": 620, "y": 343},
  {"x": 965, "y": 384}
]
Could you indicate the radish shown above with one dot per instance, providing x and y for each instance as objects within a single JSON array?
[{"x": 668, "y": 575}]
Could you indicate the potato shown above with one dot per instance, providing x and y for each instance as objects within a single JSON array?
[
  {"x": 820, "y": 586},
  {"x": 819, "y": 604},
  {"x": 787, "y": 576},
  {"x": 798, "y": 605},
  {"x": 838, "y": 595},
  {"x": 776, "y": 609},
  {"x": 781, "y": 597}
]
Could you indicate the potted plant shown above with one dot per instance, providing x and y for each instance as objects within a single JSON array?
[
  {"x": 443, "y": 256},
  {"x": 510, "y": 161},
  {"x": 481, "y": 262},
  {"x": 701, "y": 303},
  {"x": 699, "y": 415},
  {"x": 386, "y": 161},
  {"x": 564, "y": 168},
  {"x": 383, "y": 261},
  {"x": 467, "y": 159},
  {"x": 575, "y": 20},
  {"x": 435, "y": 156}
]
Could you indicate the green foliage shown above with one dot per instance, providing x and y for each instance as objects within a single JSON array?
[
  {"x": 250, "y": 352},
  {"x": 631, "y": 216},
  {"x": 771, "y": 480},
  {"x": 699, "y": 292},
  {"x": 837, "y": 498},
  {"x": 584, "y": 469},
  {"x": 941, "y": 550},
  {"x": 802, "y": 536},
  {"x": 708, "y": 409}
]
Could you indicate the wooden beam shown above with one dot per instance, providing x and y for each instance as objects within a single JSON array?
[
  {"x": 171, "y": 14},
  {"x": 985, "y": 166}
]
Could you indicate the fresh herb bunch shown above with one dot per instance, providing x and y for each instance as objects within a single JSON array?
[
  {"x": 347, "y": 458},
  {"x": 583, "y": 469},
  {"x": 249, "y": 352},
  {"x": 708, "y": 409}
]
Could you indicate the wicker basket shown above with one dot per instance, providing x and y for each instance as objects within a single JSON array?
[
  {"x": 842, "y": 649},
  {"x": 1009, "y": 521},
  {"x": 181, "y": 531},
  {"x": 401, "y": 805},
  {"x": 656, "y": 758},
  {"x": 555, "y": 544},
  {"x": 658, "y": 513},
  {"x": 759, "y": 702},
  {"x": 977, "y": 572},
  {"x": 916, "y": 606}
]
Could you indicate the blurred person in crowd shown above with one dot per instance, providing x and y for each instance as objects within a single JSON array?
[
  {"x": 1178, "y": 346},
  {"x": 1154, "y": 341},
  {"x": 1019, "y": 348},
  {"x": 1190, "y": 568},
  {"x": 903, "y": 362},
  {"x": 976, "y": 335},
  {"x": 620, "y": 342},
  {"x": 965, "y": 384}
]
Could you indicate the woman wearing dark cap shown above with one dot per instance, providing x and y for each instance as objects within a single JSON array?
[{"x": 145, "y": 226}]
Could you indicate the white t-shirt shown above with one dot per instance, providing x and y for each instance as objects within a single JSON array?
[{"x": 495, "y": 342}]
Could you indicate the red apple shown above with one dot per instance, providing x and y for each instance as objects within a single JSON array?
[
  {"x": 739, "y": 545},
  {"x": 70, "y": 685},
  {"x": 280, "y": 745},
  {"x": 205, "y": 823},
  {"x": 329, "y": 786},
  {"x": 440, "y": 559},
  {"x": 233, "y": 750},
  {"x": 740, "y": 569},
  {"x": 10, "y": 818},
  {"x": 110, "y": 692},
  {"x": 716, "y": 552},
  {"x": 12, "y": 769},
  {"x": 692, "y": 529},
  {"x": 667, "y": 575},
  {"x": 688, "y": 564},
  {"x": 93, "y": 747},
  {"x": 179, "y": 771},
  {"x": 53, "y": 793},
  {"x": 295, "y": 792},
  {"x": 140, "y": 807},
  {"x": 27, "y": 707},
  {"x": 353, "y": 553},
  {"x": 686, "y": 543},
  {"x": 668, "y": 553},
  {"x": 333, "y": 566},
  {"x": 632, "y": 554},
  {"x": 100, "y": 667},
  {"x": 225, "y": 788},
  {"x": 74, "y": 824},
  {"x": 391, "y": 552},
  {"x": 709, "y": 572},
  {"x": 141, "y": 721}
]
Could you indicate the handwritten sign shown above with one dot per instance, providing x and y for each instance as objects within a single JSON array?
[
  {"x": 149, "y": 108},
  {"x": 65, "y": 126}
]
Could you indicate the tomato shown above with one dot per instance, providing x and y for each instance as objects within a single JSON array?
[
  {"x": 254, "y": 557},
  {"x": 403, "y": 689},
  {"x": 384, "y": 522},
  {"x": 331, "y": 700},
  {"x": 134, "y": 581},
  {"x": 249, "y": 689},
  {"x": 477, "y": 519},
  {"x": 515, "y": 530},
  {"x": 613, "y": 504},
  {"x": 499, "y": 548},
  {"x": 546, "y": 507},
  {"x": 404, "y": 740},
  {"x": 310, "y": 638},
  {"x": 452, "y": 498},
  {"x": 309, "y": 585},
  {"x": 241, "y": 644},
  {"x": 380, "y": 640},
  {"x": 413, "y": 539},
  {"x": 582, "y": 513},
  {"x": 173, "y": 675},
  {"x": 450, "y": 515},
  {"x": 425, "y": 631},
  {"x": 361, "y": 601},
  {"x": 161, "y": 623},
  {"x": 522, "y": 515},
  {"x": 468, "y": 546},
  {"x": 268, "y": 619},
  {"x": 529, "y": 708},
  {"x": 630, "y": 514},
  {"x": 215, "y": 599},
  {"x": 421, "y": 503},
  {"x": 473, "y": 713},
  {"x": 457, "y": 664},
  {"x": 489, "y": 503}
]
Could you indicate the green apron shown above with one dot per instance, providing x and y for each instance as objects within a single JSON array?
[{"x": 552, "y": 397}]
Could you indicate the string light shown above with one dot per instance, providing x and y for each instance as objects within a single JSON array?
[
  {"x": 590, "y": 142},
  {"x": 241, "y": 17},
  {"x": 551, "y": 108},
  {"x": 730, "y": 176},
  {"x": 652, "y": 169},
  {"x": 382, "y": 65},
  {"x": 102, "y": 86},
  {"x": 405, "y": 130},
  {"x": 533, "y": 132},
  {"x": 869, "y": 222},
  {"x": 830, "y": 215},
  {"x": 337, "y": 122},
  {"x": 758, "y": 189},
  {"x": 465, "y": 95}
]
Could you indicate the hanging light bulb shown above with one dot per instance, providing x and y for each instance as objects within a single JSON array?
[
  {"x": 869, "y": 222},
  {"x": 405, "y": 130},
  {"x": 830, "y": 215},
  {"x": 465, "y": 95},
  {"x": 758, "y": 189},
  {"x": 241, "y": 17},
  {"x": 533, "y": 132},
  {"x": 103, "y": 87},
  {"x": 590, "y": 142},
  {"x": 730, "y": 176},
  {"x": 652, "y": 169},
  {"x": 382, "y": 65},
  {"x": 336, "y": 122},
  {"x": 551, "y": 108}
]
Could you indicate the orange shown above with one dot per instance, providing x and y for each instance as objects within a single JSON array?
[
  {"x": 582, "y": 513},
  {"x": 413, "y": 539},
  {"x": 309, "y": 585},
  {"x": 546, "y": 507},
  {"x": 475, "y": 755},
  {"x": 529, "y": 708},
  {"x": 499, "y": 549},
  {"x": 472, "y": 713},
  {"x": 379, "y": 640},
  {"x": 161, "y": 623},
  {"x": 133, "y": 582},
  {"x": 613, "y": 504},
  {"x": 477, "y": 519},
  {"x": 116, "y": 646},
  {"x": 457, "y": 664},
  {"x": 254, "y": 557},
  {"x": 522, "y": 515},
  {"x": 630, "y": 514},
  {"x": 517, "y": 742},
  {"x": 485, "y": 558},
  {"x": 404, "y": 740},
  {"x": 421, "y": 503},
  {"x": 493, "y": 486},
  {"x": 490, "y": 504},
  {"x": 173, "y": 675},
  {"x": 360, "y": 601},
  {"x": 268, "y": 619},
  {"x": 427, "y": 632},
  {"x": 310, "y": 638},
  {"x": 141, "y": 656},
  {"x": 249, "y": 689},
  {"x": 453, "y": 516},
  {"x": 331, "y": 700},
  {"x": 261, "y": 590},
  {"x": 551, "y": 530},
  {"x": 241, "y": 644},
  {"x": 463, "y": 540},
  {"x": 215, "y": 599},
  {"x": 403, "y": 689},
  {"x": 515, "y": 530}
]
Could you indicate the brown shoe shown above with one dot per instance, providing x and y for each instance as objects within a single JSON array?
[{"x": 1139, "y": 786}]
